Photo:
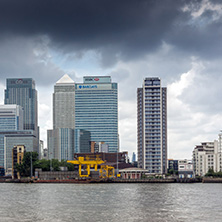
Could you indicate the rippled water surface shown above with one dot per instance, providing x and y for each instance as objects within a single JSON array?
[{"x": 111, "y": 202}]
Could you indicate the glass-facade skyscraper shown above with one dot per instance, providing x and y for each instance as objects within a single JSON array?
[
  {"x": 22, "y": 92},
  {"x": 96, "y": 109},
  {"x": 11, "y": 119},
  {"x": 152, "y": 126},
  {"x": 83, "y": 112}
]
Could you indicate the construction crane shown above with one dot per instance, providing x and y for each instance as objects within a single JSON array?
[{"x": 105, "y": 171}]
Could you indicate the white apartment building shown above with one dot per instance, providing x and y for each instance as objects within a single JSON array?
[
  {"x": 205, "y": 157},
  {"x": 152, "y": 126}
]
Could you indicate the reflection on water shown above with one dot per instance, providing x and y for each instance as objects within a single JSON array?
[{"x": 111, "y": 202}]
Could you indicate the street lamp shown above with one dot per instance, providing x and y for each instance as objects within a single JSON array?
[{"x": 31, "y": 165}]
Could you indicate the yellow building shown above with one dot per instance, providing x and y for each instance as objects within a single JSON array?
[{"x": 17, "y": 157}]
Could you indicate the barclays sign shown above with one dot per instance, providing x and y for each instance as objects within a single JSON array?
[{"x": 87, "y": 86}]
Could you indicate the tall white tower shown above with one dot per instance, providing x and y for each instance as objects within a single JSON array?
[
  {"x": 64, "y": 103},
  {"x": 152, "y": 126}
]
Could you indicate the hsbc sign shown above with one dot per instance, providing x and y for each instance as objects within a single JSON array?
[
  {"x": 96, "y": 79},
  {"x": 91, "y": 79}
]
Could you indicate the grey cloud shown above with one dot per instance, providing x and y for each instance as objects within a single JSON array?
[
  {"x": 25, "y": 57},
  {"x": 131, "y": 28}
]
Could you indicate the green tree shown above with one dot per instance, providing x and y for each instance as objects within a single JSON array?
[
  {"x": 171, "y": 171},
  {"x": 43, "y": 164},
  {"x": 70, "y": 166},
  {"x": 210, "y": 173},
  {"x": 25, "y": 167}
]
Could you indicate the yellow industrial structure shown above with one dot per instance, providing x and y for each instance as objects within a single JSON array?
[
  {"x": 17, "y": 157},
  {"x": 105, "y": 170}
]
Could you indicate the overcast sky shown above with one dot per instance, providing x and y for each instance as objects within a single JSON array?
[{"x": 179, "y": 41}]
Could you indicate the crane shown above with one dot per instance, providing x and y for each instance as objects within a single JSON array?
[{"x": 105, "y": 170}]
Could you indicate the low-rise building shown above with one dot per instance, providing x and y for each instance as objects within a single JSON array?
[
  {"x": 132, "y": 173},
  {"x": 97, "y": 147},
  {"x": 205, "y": 157},
  {"x": 172, "y": 165},
  {"x": 108, "y": 157},
  {"x": 17, "y": 157},
  {"x": 185, "y": 168}
]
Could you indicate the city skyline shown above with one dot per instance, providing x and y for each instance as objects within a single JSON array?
[{"x": 177, "y": 41}]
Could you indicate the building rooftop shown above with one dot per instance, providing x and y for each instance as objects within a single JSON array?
[{"x": 65, "y": 80}]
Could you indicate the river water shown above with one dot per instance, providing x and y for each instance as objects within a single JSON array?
[{"x": 111, "y": 202}]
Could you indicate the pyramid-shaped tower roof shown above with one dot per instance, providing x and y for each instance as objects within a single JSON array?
[{"x": 65, "y": 80}]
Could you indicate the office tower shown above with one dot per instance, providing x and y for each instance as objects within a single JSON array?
[
  {"x": 63, "y": 143},
  {"x": 22, "y": 92},
  {"x": 50, "y": 144},
  {"x": 9, "y": 139},
  {"x": 82, "y": 141},
  {"x": 152, "y": 126},
  {"x": 133, "y": 157},
  {"x": 41, "y": 149},
  {"x": 64, "y": 103},
  {"x": 96, "y": 109},
  {"x": 11, "y": 119},
  {"x": 61, "y": 138}
]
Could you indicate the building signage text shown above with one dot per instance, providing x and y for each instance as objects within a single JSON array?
[{"x": 87, "y": 86}]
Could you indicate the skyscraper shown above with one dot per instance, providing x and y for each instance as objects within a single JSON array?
[
  {"x": 152, "y": 126},
  {"x": 64, "y": 103},
  {"x": 83, "y": 112},
  {"x": 96, "y": 109},
  {"x": 11, "y": 119},
  {"x": 22, "y": 92},
  {"x": 61, "y": 138}
]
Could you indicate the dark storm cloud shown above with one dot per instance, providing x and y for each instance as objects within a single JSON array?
[
  {"x": 130, "y": 28},
  {"x": 118, "y": 30}
]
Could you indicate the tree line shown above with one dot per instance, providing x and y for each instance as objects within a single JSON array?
[
  {"x": 31, "y": 160},
  {"x": 211, "y": 173}
]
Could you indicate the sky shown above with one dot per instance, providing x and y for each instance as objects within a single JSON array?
[{"x": 179, "y": 41}]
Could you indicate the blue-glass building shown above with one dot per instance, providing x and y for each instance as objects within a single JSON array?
[
  {"x": 96, "y": 109},
  {"x": 10, "y": 139},
  {"x": 82, "y": 140},
  {"x": 11, "y": 119},
  {"x": 22, "y": 92}
]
